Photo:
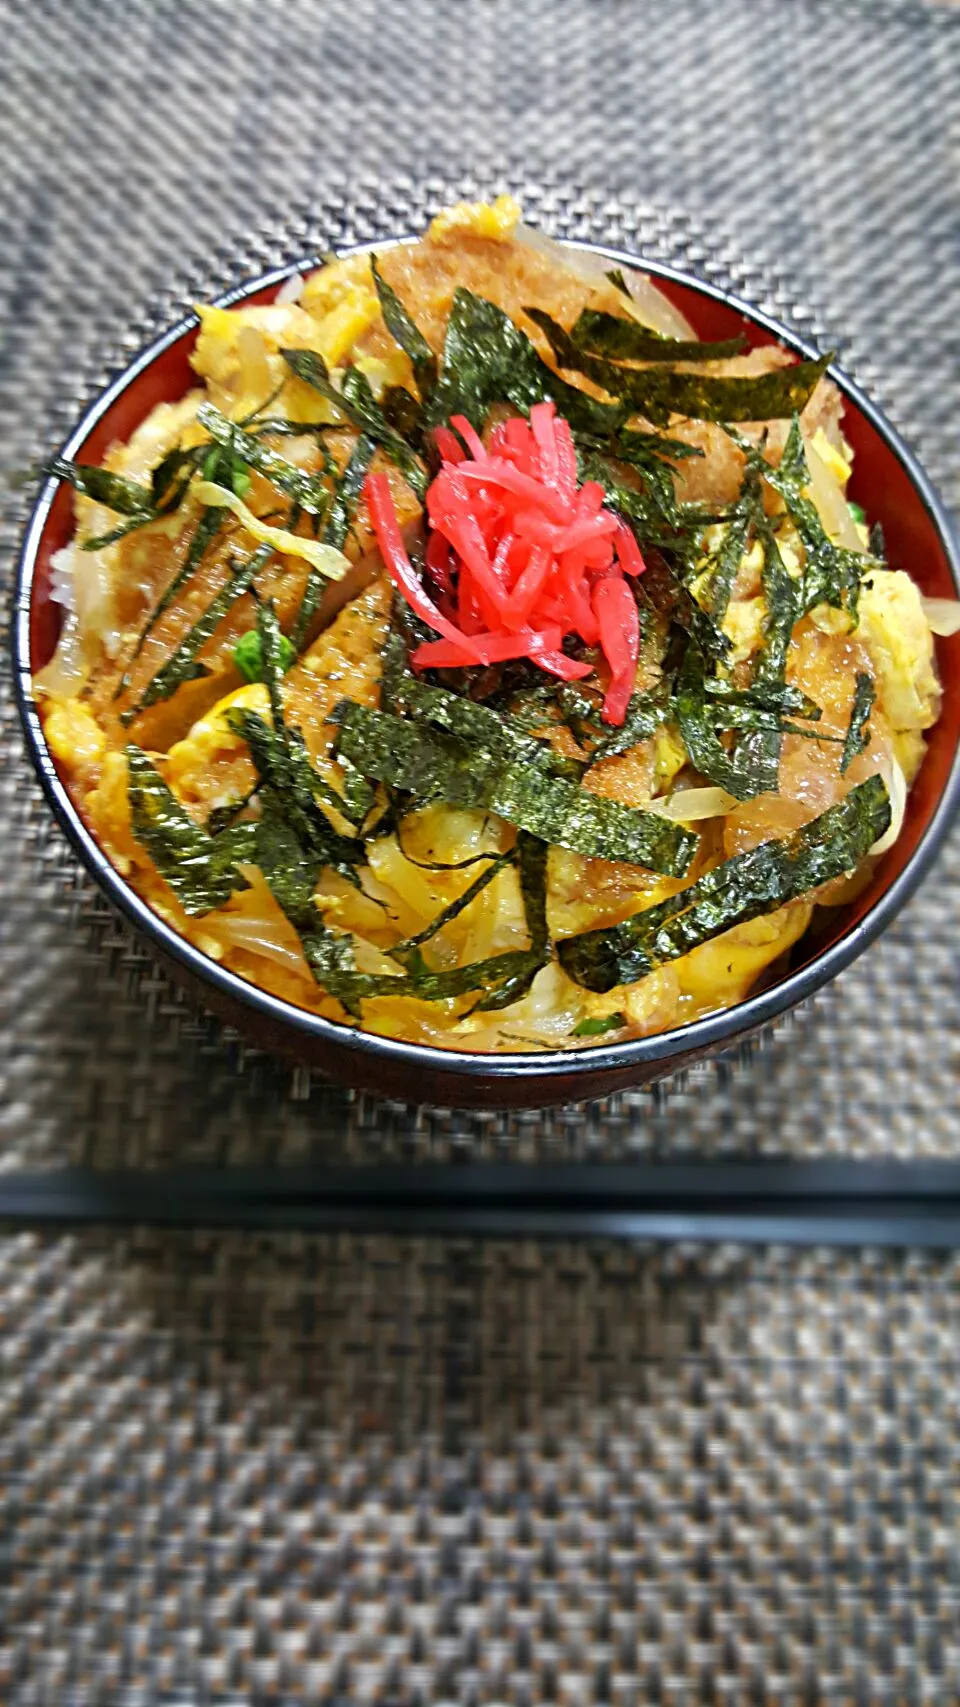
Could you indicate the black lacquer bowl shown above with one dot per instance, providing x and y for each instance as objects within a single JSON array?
[{"x": 894, "y": 491}]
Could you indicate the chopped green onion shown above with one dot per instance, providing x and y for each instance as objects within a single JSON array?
[
  {"x": 248, "y": 656},
  {"x": 599, "y": 1024}
]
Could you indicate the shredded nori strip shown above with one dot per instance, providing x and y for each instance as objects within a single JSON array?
[
  {"x": 331, "y": 958},
  {"x": 339, "y": 521},
  {"x": 200, "y": 868},
  {"x": 404, "y": 331},
  {"x": 752, "y": 767},
  {"x": 782, "y": 595},
  {"x": 858, "y": 735},
  {"x": 309, "y": 366},
  {"x": 460, "y": 905},
  {"x": 765, "y": 696},
  {"x": 291, "y": 866},
  {"x": 223, "y": 816},
  {"x": 532, "y": 854},
  {"x": 283, "y": 426},
  {"x": 403, "y": 412},
  {"x": 126, "y": 497},
  {"x": 491, "y": 733},
  {"x": 98, "y": 541},
  {"x": 347, "y": 494},
  {"x": 758, "y": 750},
  {"x": 733, "y": 714},
  {"x": 555, "y": 706},
  {"x": 627, "y": 341},
  {"x": 297, "y": 785},
  {"x": 141, "y": 505},
  {"x": 429, "y": 764},
  {"x": 743, "y": 888},
  {"x": 165, "y": 508},
  {"x": 633, "y": 446},
  {"x": 658, "y": 393},
  {"x": 307, "y": 490},
  {"x": 708, "y": 704},
  {"x": 182, "y": 665},
  {"x": 742, "y": 775},
  {"x": 285, "y": 766},
  {"x": 394, "y": 659},
  {"x": 725, "y": 560},
  {"x": 210, "y": 525},
  {"x": 644, "y": 715},
  {"x": 178, "y": 461},
  {"x": 283, "y": 763},
  {"x": 302, "y": 779},
  {"x": 582, "y": 711},
  {"x": 651, "y": 510},
  {"x": 432, "y": 765},
  {"x": 355, "y": 399},
  {"x": 497, "y": 688},
  {"x": 831, "y": 573},
  {"x": 503, "y": 978},
  {"x": 369, "y": 416},
  {"x": 487, "y": 360}
]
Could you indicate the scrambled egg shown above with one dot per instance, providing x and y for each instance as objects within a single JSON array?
[
  {"x": 238, "y": 348},
  {"x": 829, "y": 454},
  {"x": 75, "y": 739},
  {"x": 744, "y": 625},
  {"x": 212, "y": 743},
  {"x": 734, "y": 961},
  {"x": 496, "y": 220},
  {"x": 896, "y": 632},
  {"x": 165, "y": 426},
  {"x": 221, "y": 348},
  {"x": 669, "y": 756}
]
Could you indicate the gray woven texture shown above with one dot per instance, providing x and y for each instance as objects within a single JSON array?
[
  {"x": 256, "y": 1470},
  {"x": 800, "y": 152},
  {"x": 241, "y": 1470}
]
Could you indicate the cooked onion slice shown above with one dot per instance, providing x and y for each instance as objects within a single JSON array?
[
  {"x": 646, "y": 303},
  {"x": 66, "y": 672},
  {"x": 254, "y": 923},
  {"x": 897, "y": 789},
  {"x": 828, "y": 495},
  {"x": 943, "y": 616},
  {"x": 689, "y": 805},
  {"x": 291, "y": 289}
]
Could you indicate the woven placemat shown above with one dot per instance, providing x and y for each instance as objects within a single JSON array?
[
  {"x": 238, "y": 1469},
  {"x": 245, "y": 1469},
  {"x": 122, "y": 214}
]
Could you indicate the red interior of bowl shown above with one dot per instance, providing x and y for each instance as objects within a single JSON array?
[{"x": 880, "y": 483}]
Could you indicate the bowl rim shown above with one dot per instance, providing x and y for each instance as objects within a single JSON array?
[{"x": 548, "y": 1065}]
